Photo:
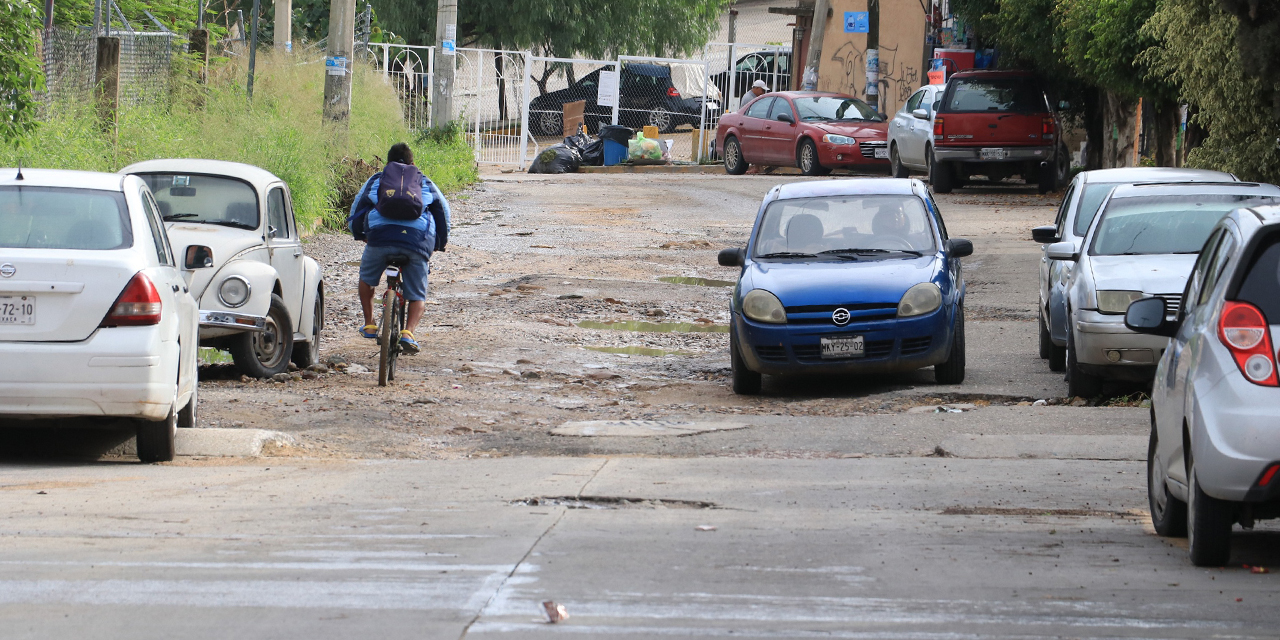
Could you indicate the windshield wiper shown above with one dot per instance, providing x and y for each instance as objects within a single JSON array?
[
  {"x": 180, "y": 216},
  {"x": 911, "y": 251},
  {"x": 787, "y": 254},
  {"x": 227, "y": 223}
]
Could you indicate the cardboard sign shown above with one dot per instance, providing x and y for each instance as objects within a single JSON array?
[
  {"x": 573, "y": 117},
  {"x": 607, "y": 94},
  {"x": 938, "y": 76},
  {"x": 857, "y": 22}
]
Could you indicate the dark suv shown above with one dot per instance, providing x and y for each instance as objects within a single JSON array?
[
  {"x": 647, "y": 95},
  {"x": 998, "y": 124}
]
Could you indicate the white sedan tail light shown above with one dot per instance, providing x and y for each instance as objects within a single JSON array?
[{"x": 138, "y": 304}]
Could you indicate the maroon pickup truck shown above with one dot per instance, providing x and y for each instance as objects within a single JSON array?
[{"x": 997, "y": 124}]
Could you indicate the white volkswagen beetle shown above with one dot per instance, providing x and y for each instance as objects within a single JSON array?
[{"x": 233, "y": 226}]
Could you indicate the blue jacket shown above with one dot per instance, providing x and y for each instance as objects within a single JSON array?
[{"x": 415, "y": 236}]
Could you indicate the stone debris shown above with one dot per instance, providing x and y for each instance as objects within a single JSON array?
[{"x": 555, "y": 612}]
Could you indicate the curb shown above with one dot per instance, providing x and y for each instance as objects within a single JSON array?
[
  {"x": 220, "y": 443},
  {"x": 655, "y": 168}
]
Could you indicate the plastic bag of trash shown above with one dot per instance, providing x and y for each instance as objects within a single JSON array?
[
  {"x": 593, "y": 153},
  {"x": 642, "y": 150},
  {"x": 556, "y": 159}
]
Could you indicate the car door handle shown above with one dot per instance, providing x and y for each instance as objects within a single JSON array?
[
  {"x": 297, "y": 252},
  {"x": 175, "y": 288}
]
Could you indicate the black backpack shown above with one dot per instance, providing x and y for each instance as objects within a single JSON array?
[{"x": 400, "y": 192}]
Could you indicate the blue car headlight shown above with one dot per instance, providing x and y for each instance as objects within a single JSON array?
[
  {"x": 762, "y": 306},
  {"x": 836, "y": 139},
  {"x": 923, "y": 298}
]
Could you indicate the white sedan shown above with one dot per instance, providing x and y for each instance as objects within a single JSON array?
[{"x": 95, "y": 317}]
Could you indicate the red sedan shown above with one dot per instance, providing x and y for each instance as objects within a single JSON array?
[{"x": 814, "y": 131}]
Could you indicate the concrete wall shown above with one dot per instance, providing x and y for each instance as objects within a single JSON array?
[{"x": 902, "y": 33}]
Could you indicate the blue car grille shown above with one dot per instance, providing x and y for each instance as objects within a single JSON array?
[
  {"x": 813, "y": 352},
  {"x": 862, "y": 312},
  {"x": 912, "y": 346}
]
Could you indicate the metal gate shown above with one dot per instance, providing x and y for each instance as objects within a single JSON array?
[
  {"x": 410, "y": 69},
  {"x": 549, "y": 84},
  {"x": 488, "y": 100}
]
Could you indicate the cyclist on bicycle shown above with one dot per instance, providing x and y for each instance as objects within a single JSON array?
[{"x": 387, "y": 235}]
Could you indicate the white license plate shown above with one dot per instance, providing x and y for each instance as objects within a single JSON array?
[
  {"x": 993, "y": 153},
  {"x": 882, "y": 154},
  {"x": 835, "y": 348},
  {"x": 17, "y": 310}
]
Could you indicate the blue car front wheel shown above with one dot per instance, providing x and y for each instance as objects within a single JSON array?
[
  {"x": 952, "y": 371},
  {"x": 745, "y": 381}
]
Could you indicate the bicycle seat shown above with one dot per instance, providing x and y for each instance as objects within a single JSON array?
[{"x": 398, "y": 260}]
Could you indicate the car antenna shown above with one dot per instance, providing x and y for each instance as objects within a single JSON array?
[{"x": 19, "y": 171}]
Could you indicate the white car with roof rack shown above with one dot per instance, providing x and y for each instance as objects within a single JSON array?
[
  {"x": 95, "y": 316},
  {"x": 233, "y": 224}
]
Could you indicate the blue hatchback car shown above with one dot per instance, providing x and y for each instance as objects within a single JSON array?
[{"x": 847, "y": 277}]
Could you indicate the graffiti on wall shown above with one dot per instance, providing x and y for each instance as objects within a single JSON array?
[{"x": 898, "y": 78}]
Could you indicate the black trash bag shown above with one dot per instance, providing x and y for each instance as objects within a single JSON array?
[
  {"x": 578, "y": 142},
  {"x": 593, "y": 154},
  {"x": 616, "y": 133},
  {"x": 556, "y": 159}
]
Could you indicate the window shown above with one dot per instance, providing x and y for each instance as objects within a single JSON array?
[
  {"x": 937, "y": 215},
  {"x": 1219, "y": 262},
  {"x": 205, "y": 199},
  {"x": 1090, "y": 200},
  {"x": 760, "y": 108},
  {"x": 60, "y": 218},
  {"x": 997, "y": 94},
  {"x": 277, "y": 215},
  {"x": 820, "y": 108},
  {"x": 833, "y": 223},
  {"x": 1261, "y": 285},
  {"x": 751, "y": 62},
  {"x": 781, "y": 106},
  {"x": 1063, "y": 209},
  {"x": 158, "y": 237},
  {"x": 1198, "y": 273},
  {"x": 913, "y": 103},
  {"x": 1143, "y": 225}
]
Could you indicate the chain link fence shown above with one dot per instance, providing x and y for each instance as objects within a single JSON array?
[{"x": 70, "y": 55}]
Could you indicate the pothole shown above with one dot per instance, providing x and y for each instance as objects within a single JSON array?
[
  {"x": 699, "y": 282},
  {"x": 612, "y": 502},
  {"x": 656, "y": 327}
]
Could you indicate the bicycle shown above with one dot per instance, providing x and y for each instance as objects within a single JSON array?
[{"x": 392, "y": 322}]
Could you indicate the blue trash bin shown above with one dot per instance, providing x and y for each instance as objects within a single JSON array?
[{"x": 614, "y": 153}]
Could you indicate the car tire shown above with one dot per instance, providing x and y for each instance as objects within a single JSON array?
[
  {"x": 745, "y": 381},
  {"x": 1209, "y": 523},
  {"x": 1168, "y": 514},
  {"x": 1046, "y": 181},
  {"x": 1062, "y": 172},
  {"x": 896, "y": 168},
  {"x": 1079, "y": 383},
  {"x": 807, "y": 159},
  {"x": 156, "y": 438},
  {"x": 665, "y": 121},
  {"x": 1057, "y": 356},
  {"x": 307, "y": 353},
  {"x": 941, "y": 176},
  {"x": 266, "y": 353},
  {"x": 952, "y": 371},
  {"x": 550, "y": 123},
  {"x": 734, "y": 164},
  {"x": 1045, "y": 341},
  {"x": 188, "y": 417}
]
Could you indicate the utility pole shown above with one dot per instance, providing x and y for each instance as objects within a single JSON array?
[
  {"x": 337, "y": 62},
  {"x": 284, "y": 25},
  {"x": 48, "y": 14},
  {"x": 253, "y": 46},
  {"x": 814, "y": 58},
  {"x": 873, "y": 54},
  {"x": 446, "y": 51}
]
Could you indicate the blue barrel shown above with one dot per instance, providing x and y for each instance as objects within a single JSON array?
[{"x": 614, "y": 152}]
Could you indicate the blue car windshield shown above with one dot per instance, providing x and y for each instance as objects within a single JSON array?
[
  {"x": 877, "y": 223},
  {"x": 1164, "y": 224}
]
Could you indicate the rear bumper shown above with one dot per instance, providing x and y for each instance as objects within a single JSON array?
[
  {"x": 1234, "y": 439},
  {"x": 974, "y": 154},
  {"x": 120, "y": 371}
]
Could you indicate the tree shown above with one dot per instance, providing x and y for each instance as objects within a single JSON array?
[{"x": 21, "y": 75}]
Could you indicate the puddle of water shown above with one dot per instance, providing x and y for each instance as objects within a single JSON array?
[
  {"x": 656, "y": 327},
  {"x": 209, "y": 355},
  {"x": 699, "y": 282},
  {"x": 638, "y": 351}
]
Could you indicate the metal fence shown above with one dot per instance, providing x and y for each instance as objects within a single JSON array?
[{"x": 145, "y": 62}]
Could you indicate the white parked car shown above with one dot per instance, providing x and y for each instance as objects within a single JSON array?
[
  {"x": 1142, "y": 243},
  {"x": 233, "y": 224},
  {"x": 1079, "y": 205},
  {"x": 1213, "y": 459},
  {"x": 911, "y": 132},
  {"x": 95, "y": 316}
]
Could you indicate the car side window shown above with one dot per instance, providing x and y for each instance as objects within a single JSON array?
[
  {"x": 937, "y": 215},
  {"x": 157, "y": 230},
  {"x": 1216, "y": 267},
  {"x": 277, "y": 215},
  {"x": 1061, "y": 221},
  {"x": 164, "y": 235},
  {"x": 1195, "y": 283},
  {"x": 760, "y": 108},
  {"x": 781, "y": 106},
  {"x": 913, "y": 103}
]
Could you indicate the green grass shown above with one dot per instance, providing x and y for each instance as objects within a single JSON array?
[{"x": 280, "y": 130}]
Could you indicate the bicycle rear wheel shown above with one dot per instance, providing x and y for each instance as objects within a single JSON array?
[{"x": 388, "y": 338}]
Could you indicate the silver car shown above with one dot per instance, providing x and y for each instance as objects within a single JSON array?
[
  {"x": 1213, "y": 457},
  {"x": 1142, "y": 243},
  {"x": 911, "y": 132},
  {"x": 1079, "y": 206}
]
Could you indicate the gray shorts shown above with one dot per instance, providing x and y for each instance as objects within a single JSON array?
[{"x": 413, "y": 274}]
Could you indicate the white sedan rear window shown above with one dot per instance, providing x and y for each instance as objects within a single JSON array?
[{"x": 60, "y": 218}]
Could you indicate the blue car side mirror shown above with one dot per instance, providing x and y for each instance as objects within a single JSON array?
[
  {"x": 959, "y": 247},
  {"x": 732, "y": 257}
]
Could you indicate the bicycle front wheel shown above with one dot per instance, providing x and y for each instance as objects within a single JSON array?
[
  {"x": 397, "y": 322},
  {"x": 388, "y": 338}
]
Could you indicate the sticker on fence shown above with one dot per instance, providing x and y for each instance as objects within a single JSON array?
[{"x": 607, "y": 94}]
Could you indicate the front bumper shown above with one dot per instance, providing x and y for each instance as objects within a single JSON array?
[
  {"x": 119, "y": 371},
  {"x": 974, "y": 154},
  {"x": 892, "y": 346},
  {"x": 1100, "y": 337},
  {"x": 852, "y": 155},
  {"x": 216, "y": 323},
  {"x": 1234, "y": 439}
]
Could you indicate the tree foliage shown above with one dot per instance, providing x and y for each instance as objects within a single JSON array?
[
  {"x": 21, "y": 76},
  {"x": 176, "y": 15},
  {"x": 1198, "y": 47}
]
